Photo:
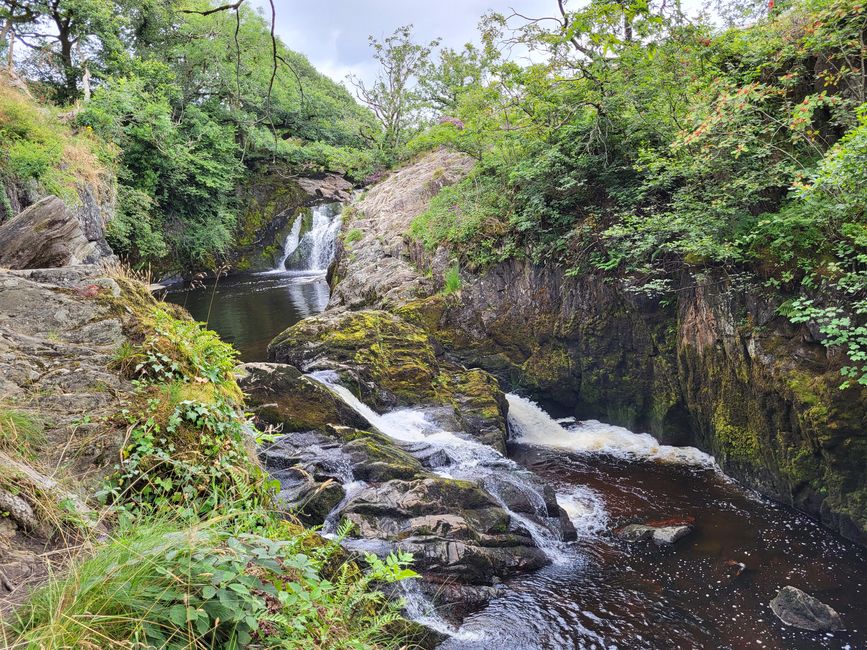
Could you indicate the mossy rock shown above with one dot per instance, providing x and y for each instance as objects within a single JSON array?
[
  {"x": 394, "y": 358},
  {"x": 280, "y": 395}
]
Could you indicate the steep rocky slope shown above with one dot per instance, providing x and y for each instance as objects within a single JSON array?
[{"x": 719, "y": 368}]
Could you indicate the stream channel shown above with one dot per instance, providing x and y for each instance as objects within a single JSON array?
[{"x": 709, "y": 590}]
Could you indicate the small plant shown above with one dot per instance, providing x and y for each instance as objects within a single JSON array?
[
  {"x": 354, "y": 235},
  {"x": 452, "y": 280}
]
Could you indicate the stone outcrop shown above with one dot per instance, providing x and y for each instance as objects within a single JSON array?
[
  {"x": 375, "y": 271},
  {"x": 798, "y": 609},
  {"x": 717, "y": 367},
  {"x": 59, "y": 332},
  {"x": 390, "y": 362},
  {"x": 48, "y": 234}
]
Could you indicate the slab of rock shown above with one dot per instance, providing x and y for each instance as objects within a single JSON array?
[
  {"x": 282, "y": 396},
  {"x": 659, "y": 534},
  {"x": 799, "y": 609},
  {"x": 330, "y": 186},
  {"x": 46, "y": 235}
]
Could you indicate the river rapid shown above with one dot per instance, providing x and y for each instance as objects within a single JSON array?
[{"x": 709, "y": 590}]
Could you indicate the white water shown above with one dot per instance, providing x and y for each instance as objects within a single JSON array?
[
  {"x": 317, "y": 246},
  {"x": 290, "y": 244},
  {"x": 533, "y": 426},
  {"x": 469, "y": 460}
]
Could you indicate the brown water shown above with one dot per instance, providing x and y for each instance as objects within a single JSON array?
[{"x": 710, "y": 590}]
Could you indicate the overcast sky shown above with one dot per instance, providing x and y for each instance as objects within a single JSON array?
[{"x": 333, "y": 33}]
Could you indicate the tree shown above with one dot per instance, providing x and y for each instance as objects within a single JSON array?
[
  {"x": 443, "y": 82},
  {"x": 392, "y": 96}
]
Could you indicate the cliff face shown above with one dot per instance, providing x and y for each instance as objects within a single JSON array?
[{"x": 718, "y": 368}]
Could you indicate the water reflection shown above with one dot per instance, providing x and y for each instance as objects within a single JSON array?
[{"x": 251, "y": 309}]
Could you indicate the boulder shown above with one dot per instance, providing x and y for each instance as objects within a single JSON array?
[
  {"x": 454, "y": 529},
  {"x": 799, "y": 609},
  {"x": 389, "y": 362},
  {"x": 280, "y": 395},
  {"x": 659, "y": 534},
  {"x": 45, "y": 235}
]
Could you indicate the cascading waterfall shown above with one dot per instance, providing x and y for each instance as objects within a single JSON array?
[
  {"x": 312, "y": 252},
  {"x": 469, "y": 460},
  {"x": 531, "y": 425},
  {"x": 290, "y": 243}
]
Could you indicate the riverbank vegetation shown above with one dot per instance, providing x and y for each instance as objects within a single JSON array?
[
  {"x": 644, "y": 144},
  {"x": 189, "y": 548},
  {"x": 181, "y": 104}
]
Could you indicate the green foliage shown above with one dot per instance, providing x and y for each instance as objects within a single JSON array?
[
  {"x": 452, "y": 280},
  {"x": 353, "y": 235},
  {"x": 644, "y": 145},
  {"x": 35, "y": 147},
  {"x": 213, "y": 584}
]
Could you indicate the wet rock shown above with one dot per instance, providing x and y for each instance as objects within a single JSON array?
[
  {"x": 282, "y": 396},
  {"x": 331, "y": 186},
  {"x": 659, "y": 534},
  {"x": 798, "y": 609},
  {"x": 453, "y": 528},
  {"x": 635, "y": 533},
  {"x": 390, "y": 362},
  {"x": 670, "y": 534},
  {"x": 47, "y": 234}
]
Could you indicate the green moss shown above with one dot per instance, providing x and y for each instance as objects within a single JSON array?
[{"x": 736, "y": 442}]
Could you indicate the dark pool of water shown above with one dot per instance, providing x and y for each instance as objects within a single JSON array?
[
  {"x": 693, "y": 595},
  {"x": 249, "y": 310}
]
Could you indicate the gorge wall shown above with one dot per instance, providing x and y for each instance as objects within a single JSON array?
[{"x": 717, "y": 368}]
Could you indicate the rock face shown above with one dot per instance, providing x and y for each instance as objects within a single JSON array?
[
  {"x": 329, "y": 187},
  {"x": 716, "y": 368},
  {"x": 798, "y": 609},
  {"x": 378, "y": 273},
  {"x": 58, "y": 336},
  {"x": 390, "y": 362},
  {"x": 47, "y": 235}
]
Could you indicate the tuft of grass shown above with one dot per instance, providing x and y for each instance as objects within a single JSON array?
[
  {"x": 353, "y": 235},
  {"x": 452, "y": 280},
  {"x": 20, "y": 433}
]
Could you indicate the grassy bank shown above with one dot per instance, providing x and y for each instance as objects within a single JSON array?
[{"x": 187, "y": 549}]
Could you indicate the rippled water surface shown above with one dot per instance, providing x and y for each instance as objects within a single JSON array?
[{"x": 710, "y": 590}]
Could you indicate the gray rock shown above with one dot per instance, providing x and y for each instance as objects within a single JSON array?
[
  {"x": 659, "y": 534},
  {"x": 799, "y": 609},
  {"x": 670, "y": 534},
  {"x": 47, "y": 234},
  {"x": 635, "y": 533}
]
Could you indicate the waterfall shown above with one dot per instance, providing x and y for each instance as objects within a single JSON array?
[
  {"x": 531, "y": 425},
  {"x": 290, "y": 243},
  {"x": 312, "y": 252},
  {"x": 468, "y": 460}
]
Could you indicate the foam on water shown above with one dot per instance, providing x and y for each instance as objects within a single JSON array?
[
  {"x": 586, "y": 510},
  {"x": 532, "y": 425}
]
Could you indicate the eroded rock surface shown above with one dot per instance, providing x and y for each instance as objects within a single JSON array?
[{"x": 47, "y": 235}]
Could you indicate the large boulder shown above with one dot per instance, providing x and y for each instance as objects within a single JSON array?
[
  {"x": 46, "y": 235},
  {"x": 454, "y": 528},
  {"x": 280, "y": 395},
  {"x": 389, "y": 362},
  {"x": 799, "y": 609}
]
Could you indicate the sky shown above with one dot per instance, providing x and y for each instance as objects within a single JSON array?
[{"x": 333, "y": 33}]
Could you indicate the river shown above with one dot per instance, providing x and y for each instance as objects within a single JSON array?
[{"x": 710, "y": 590}]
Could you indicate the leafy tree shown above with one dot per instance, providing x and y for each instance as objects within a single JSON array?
[{"x": 393, "y": 95}]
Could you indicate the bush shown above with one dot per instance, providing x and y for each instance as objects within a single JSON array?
[{"x": 452, "y": 280}]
